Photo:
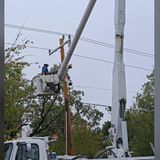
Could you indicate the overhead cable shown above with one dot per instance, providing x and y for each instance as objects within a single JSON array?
[
  {"x": 133, "y": 51},
  {"x": 91, "y": 58}
]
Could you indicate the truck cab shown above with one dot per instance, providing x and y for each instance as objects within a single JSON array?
[{"x": 29, "y": 148}]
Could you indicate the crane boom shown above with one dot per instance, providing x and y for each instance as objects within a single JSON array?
[
  {"x": 50, "y": 84},
  {"x": 75, "y": 40},
  {"x": 118, "y": 130}
]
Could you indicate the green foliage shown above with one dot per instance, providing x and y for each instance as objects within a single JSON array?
[
  {"x": 140, "y": 120},
  {"x": 47, "y": 117},
  {"x": 17, "y": 88},
  {"x": 105, "y": 134},
  {"x": 87, "y": 112},
  {"x": 86, "y": 141},
  {"x": 59, "y": 146}
]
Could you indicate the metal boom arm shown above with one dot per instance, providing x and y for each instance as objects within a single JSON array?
[
  {"x": 118, "y": 130},
  {"x": 76, "y": 38}
]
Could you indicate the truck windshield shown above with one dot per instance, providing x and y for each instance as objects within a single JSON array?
[
  {"x": 8, "y": 150},
  {"x": 24, "y": 154}
]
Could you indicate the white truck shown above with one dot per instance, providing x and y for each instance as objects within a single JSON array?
[{"x": 28, "y": 148}]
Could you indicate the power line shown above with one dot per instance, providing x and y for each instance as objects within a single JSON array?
[
  {"x": 141, "y": 53},
  {"x": 96, "y": 104},
  {"x": 87, "y": 57},
  {"x": 28, "y": 46},
  {"x": 91, "y": 58},
  {"x": 105, "y": 61},
  {"x": 100, "y": 105},
  {"x": 110, "y": 107},
  {"x": 102, "y": 89},
  {"x": 95, "y": 88}
]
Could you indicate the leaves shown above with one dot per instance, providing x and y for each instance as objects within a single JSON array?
[
  {"x": 86, "y": 141},
  {"x": 140, "y": 120},
  {"x": 17, "y": 88}
]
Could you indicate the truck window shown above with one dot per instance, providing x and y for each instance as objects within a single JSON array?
[
  {"x": 34, "y": 152},
  {"x": 22, "y": 152},
  {"x": 8, "y": 150}
]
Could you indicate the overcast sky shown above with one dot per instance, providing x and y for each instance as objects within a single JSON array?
[{"x": 93, "y": 76}]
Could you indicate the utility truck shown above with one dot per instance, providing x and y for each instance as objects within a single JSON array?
[
  {"x": 37, "y": 148},
  {"x": 28, "y": 148}
]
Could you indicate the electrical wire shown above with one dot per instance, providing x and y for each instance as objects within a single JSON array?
[
  {"x": 103, "y": 89},
  {"x": 34, "y": 47},
  {"x": 87, "y": 57},
  {"x": 110, "y": 107},
  {"x": 96, "y": 104},
  {"x": 141, "y": 53},
  {"x": 105, "y": 61}
]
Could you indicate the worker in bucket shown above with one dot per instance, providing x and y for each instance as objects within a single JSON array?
[{"x": 45, "y": 69}]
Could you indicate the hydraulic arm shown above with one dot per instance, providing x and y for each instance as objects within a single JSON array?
[
  {"x": 76, "y": 38},
  {"x": 118, "y": 130}
]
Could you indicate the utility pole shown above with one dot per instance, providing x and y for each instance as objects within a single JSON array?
[{"x": 69, "y": 144}]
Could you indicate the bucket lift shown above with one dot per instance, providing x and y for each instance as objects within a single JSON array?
[
  {"x": 50, "y": 84},
  {"x": 46, "y": 84}
]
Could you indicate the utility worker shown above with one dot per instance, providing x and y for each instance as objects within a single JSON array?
[{"x": 45, "y": 69}]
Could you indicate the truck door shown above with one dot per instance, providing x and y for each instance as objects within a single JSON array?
[{"x": 8, "y": 150}]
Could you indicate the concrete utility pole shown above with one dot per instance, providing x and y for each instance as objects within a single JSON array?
[
  {"x": 69, "y": 144},
  {"x": 1, "y": 79},
  {"x": 157, "y": 80}
]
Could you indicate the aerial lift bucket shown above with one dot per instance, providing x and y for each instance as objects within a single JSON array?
[{"x": 46, "y": 84}]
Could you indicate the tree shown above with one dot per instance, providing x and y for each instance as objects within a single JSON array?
[
  {"x": 48, "y": 119},
  {"x": 17, "y": 89},
  {"x": 87, "y": 112},
  {"x": 140, "y": 120},
  {"x": 21, "y": 108},
  {"x": 105, "y": 134},
  {"x": 86, "y": 141}
]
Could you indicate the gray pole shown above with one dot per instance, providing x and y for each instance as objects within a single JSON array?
[
  {"x": 157, "y": 80},
  {"x": 76, "y": 37},
  {"x": 1, "y": 79}
]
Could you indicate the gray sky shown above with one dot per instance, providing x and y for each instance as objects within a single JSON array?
[{"x": 64, "y": 16}]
